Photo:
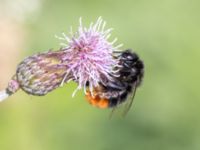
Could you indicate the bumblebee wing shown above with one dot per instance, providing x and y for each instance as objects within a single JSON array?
[
  {"x": 129, "y": 101},
  {"x": 122, "y": 109}
]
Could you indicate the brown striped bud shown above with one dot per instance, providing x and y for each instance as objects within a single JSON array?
[{"x": 42, "y": 73}]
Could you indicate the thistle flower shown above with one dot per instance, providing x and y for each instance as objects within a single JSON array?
[
  {"x": 90, "y": 54},
  {"x": 86, "y": 58}
]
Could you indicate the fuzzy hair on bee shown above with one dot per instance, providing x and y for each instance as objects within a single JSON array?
[{"x": 127, "y": 76}]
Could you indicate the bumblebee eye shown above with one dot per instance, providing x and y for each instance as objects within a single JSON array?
[
  {"x": 134, "y": 57},
  {"x": 129, "y": 56},
  {"x": 125, "y": 54}
]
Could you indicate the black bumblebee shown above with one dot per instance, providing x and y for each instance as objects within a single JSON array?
[{"x": 127, "y": 77}]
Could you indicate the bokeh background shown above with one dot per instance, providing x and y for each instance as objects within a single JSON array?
[{"x": 166, "y": 109}]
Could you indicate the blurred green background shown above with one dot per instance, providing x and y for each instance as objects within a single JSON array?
[{"x": 166, "y": 110}]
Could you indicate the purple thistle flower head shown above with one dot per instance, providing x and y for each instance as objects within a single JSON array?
[
  {"x": 86, "y": 58},
  {"x": 90, "y": 54}
]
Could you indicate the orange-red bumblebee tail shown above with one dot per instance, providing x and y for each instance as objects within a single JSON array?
[{"x": 96, "y": 100}]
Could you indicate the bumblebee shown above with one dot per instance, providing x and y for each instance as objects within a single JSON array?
[{"x": 127, "y": 77}]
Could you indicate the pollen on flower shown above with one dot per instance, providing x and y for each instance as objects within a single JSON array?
[{"x": 90, "y": 54}]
